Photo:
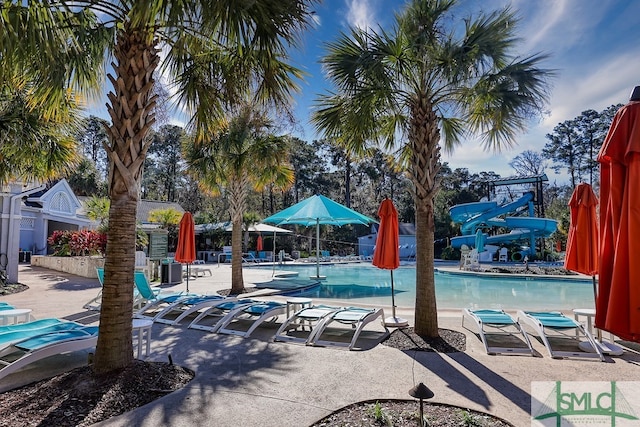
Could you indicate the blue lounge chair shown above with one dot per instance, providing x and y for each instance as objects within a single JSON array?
[
  {"x": 330, "y": 332},
  {"x": 254, "y": 315},
  {"x": 500, "y": 324},
  {"x": 555, "y": 325},
  {"x": 95, "y": 303},
  {"x": 10, "y": 334},
  {"x": 24, "y": 352},
  {"x": 144, "y": 293}
]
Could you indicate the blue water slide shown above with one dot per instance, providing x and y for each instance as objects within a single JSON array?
[
  {"x": 523, "y": 227},
  {"x": 485, "y": 212}
]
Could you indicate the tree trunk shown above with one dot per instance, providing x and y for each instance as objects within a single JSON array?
[
  {"x": 237, "y": 281},
  {"x": 237, "y": 200},
  {"x": 115, "y": 349},
  {"x": 424, "y": 137},
  {"x": 130, "y": 104},
  {"x": 347, "y": 182}
]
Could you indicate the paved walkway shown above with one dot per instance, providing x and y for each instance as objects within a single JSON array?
[{"x": 256, "y": 382}]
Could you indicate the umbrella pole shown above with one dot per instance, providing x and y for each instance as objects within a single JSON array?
[
  {"x": 273, "y": 257},
  {"x": 188, "y": 277},
  {"x": 317, "y": 247},
  {"x": 393, "y": 298}
]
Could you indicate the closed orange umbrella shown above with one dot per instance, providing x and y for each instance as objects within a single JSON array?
[
  {"x": 386, "y": 254},
  {"x": 618, "y": 300},
  {"x": 259, "y": 243},
  {"x": 186, "y": 250},
  {"x": 582, "y": 243}
]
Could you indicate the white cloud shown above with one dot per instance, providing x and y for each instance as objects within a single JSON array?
[
  {"x": 361, "y": 13},
  {"x": 596, "y": 87},
  {"x": 557, "y": 25}
]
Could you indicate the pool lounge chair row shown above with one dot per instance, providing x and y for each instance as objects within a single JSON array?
[
  {"x": 495, "y": 327},
  {"x": 233, "y": 316}
]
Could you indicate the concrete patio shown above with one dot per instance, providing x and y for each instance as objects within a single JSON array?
[{"x": 257, "y": 382}]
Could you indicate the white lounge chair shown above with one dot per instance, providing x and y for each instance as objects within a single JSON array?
[
  {"x": 24, "y": 352},
  {"x": 167, "y": 310},
  {"x": 471, "y": 261},
  {"x": 254, "y": 315},
  {"x": 554, "y": 325},
  {"x": 207, "y": 319},
  {"x": 301, "y": 320},
  {"x": 500, "y": 324},
  {"x": 355, "y": 318},
  {"x": 142, "y": 263}
]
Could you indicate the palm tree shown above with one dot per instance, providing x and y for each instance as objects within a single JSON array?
[
  {"x": 35, "y": 146},
  {"x": 242, "y": 155},
  {"x": 214, "y": 52},
  {"x": 428, "y": 82}
]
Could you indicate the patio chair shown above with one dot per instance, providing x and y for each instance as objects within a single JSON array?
[
  {"x": 252, "y": 316},
  {"x": 142, "y": 263},
  {"x": 168, "y": 310},
  {"x": 501, "y": 325},
  {"x": 94, "y": 303},
  {"x": 471, "y": 261},
  {"x": 555, "y": 326},
  {"x": 251, "y": 257},
  {"x": 265, "y": 256},
  {"x": 31, "y": 349},
  {"x": 208, "y": 319},
  {"x": 138, "y": 298},
  {"x": 502, "y": 255},
  {"x": 294, "y": 329},
  {"x": 355, "y": 318}
]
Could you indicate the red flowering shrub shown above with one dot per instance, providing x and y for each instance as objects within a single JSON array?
[{"x": 78, "y": 243}]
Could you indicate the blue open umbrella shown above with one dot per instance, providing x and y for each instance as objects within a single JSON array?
[{"x": 317, "y": 210}]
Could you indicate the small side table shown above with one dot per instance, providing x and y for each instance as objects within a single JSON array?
[
  {"x": 10, "y": 317},
  {"x": 296, "y": 304},
  {"x": 606, "y": 347},
  {"x": 142, "y": 328}
]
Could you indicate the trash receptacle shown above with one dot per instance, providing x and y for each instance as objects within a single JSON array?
[{"x": 171, "y": 273}]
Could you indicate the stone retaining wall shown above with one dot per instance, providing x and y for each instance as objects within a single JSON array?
[{"x": 79, "y": 265}]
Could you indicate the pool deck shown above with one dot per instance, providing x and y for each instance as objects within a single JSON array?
[{"x": 256, "y": 382}]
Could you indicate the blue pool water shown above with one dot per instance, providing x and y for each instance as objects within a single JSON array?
[{"x": 366, "y": 284}]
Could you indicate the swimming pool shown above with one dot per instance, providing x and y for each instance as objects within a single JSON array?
[{"x": 367, "y": 284}]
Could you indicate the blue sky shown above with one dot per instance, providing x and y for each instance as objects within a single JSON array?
[{"x": 594, "y": 46}]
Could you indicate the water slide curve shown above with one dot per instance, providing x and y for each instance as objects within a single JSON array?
[{"x": 471, "y": 215}]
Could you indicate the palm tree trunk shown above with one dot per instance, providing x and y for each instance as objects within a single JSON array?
[
  {"x": 237, "y": 200},
  {"x": 347, "y": 182},
  {"x": 131, "y": 103},
  {"x": 114, "y": 348},
  {"x": 424, "y": 137}
]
